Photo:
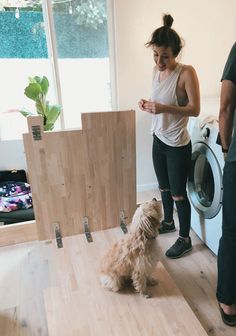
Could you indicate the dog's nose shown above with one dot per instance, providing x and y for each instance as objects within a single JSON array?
[{"x": 154, "y": 199}]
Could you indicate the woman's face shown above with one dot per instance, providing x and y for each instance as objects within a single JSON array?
[{"x": 164, "y": 58}]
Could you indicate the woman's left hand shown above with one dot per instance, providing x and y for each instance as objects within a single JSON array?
[{"x": 149, "y": 106}]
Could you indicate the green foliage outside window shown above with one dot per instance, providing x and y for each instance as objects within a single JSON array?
[
  {"x": 87, "y": 13},
  {"x": 91, "y": 13}
]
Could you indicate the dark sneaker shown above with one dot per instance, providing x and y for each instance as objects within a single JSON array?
[
  {"x": 179, "y": 248},
  {"x": 165, "y": 228}
]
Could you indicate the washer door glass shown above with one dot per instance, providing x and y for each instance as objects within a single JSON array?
[{"x": 205, "y": 181}]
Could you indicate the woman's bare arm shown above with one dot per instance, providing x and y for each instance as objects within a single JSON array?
[{"x": 191, "y": 86}]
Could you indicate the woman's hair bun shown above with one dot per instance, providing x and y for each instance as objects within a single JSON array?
[{"x": 167, "y": 20}]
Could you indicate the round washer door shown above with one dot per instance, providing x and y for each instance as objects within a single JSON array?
[{"x": 205, "y": 181}]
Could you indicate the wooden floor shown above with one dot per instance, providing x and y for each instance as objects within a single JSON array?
[
  {"x": 49, "y": 291},
  {"x": 195, "y": 274}
]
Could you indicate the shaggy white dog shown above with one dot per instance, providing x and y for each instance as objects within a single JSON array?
[{"x": 135, "y": 256}]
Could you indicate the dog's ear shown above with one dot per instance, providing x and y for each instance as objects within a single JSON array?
[
  {"x": 148, "y": 225},
  {"x": 154, "y": 221}
]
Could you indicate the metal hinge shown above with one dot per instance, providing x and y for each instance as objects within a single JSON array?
[
  {"x": 87, "y": 229},
  {"x": 36, "y": 132},
  {"x": 122, "y": 221},
  {"x": 58, "y": 235}
]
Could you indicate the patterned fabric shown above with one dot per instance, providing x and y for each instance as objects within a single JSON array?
[{"x": 15, "y": 196}]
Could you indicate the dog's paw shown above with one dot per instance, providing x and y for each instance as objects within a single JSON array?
[
  {"x": 146, "y": 295},
  {"x": 109, "y": 283},
  {"x": 152, "y": 282}
]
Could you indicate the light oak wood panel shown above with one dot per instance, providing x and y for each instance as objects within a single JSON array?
[
  {"x": 8, "y": 322},
  {"x": 58, "y": 293},
  {"x": 196, "y": 276},
  {"x": 24, "y": 273},
  {"x": 30, "y": 271},
  {"x": 87, "y": 309},
  {"x": 89, "y": 172},
  {"x": 18, "y": 233},
  {"x": 110, "y": 172}
]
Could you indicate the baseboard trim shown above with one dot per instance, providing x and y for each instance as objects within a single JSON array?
[
  {"x": 18, "y": 233},
  {"x": 148, "y": 186}
]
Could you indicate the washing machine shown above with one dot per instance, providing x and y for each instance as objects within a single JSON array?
[{"x": 204, "y": 187}]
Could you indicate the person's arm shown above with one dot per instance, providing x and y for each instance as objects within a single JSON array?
[
  {"x": 191, "y": 87},
  {"x": 226, "y": 114}
]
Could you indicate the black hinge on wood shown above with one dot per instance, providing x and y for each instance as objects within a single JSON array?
[
  {"x": 87, "y": 230},
  {"x": 36, "y": 132},
  {"x": 58, "y": 235},
  {"x": 122, "y": 221}
]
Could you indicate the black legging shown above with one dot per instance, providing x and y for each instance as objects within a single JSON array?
[{"x": 172, "y": 165}]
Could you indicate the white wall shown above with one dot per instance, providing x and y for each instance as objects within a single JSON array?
[
  {"x": 12, "y": 155},
  {"x": 208, "y": 29}
]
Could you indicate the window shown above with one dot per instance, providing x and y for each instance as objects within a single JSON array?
[
  {"x": 79, "y": 75},
  {"x": 83, "y": 57},
  {"x": 23, "y": 53}
]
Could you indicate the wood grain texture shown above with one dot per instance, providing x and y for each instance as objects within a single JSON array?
[
  {"x": 89, "y": 172},
  {"x": 57, "y": 292},
  {"x": 18, "y": 233}
]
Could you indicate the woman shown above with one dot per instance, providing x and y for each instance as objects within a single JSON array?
[{"x": 175, "y": 96}]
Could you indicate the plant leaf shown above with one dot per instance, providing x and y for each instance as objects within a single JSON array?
[
  {"x": 37, "y": 91},
  {"x": 53, "y": 114},
  {"x": 37, "y": 79},
  {"x": 48, "y": 127},
  {"x": 26, "y": 114},
  {"x": 44, "y": 85},
  {"x": 47, "y": 109},
  {"x": 40, "y": 107},
  {"x": 32, "y": 80},
  {"x": 42, "y": 81},
  {"x": 32, "y": 91}
]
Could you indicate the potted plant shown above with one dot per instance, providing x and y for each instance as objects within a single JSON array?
[{"x": 37, "y": 90}]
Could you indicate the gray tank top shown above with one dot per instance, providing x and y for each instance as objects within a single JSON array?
[{"x": 169, "y": 128}]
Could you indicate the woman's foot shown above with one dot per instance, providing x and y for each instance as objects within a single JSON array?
[
  {"x": 228, "y": 314},
  {"x": 179, "y": 248},
  {"x": 167, "y": 227},
  {"x": 229, "y": 310}
]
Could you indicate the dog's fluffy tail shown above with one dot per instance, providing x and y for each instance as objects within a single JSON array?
[{"x": 109, "y": 283}]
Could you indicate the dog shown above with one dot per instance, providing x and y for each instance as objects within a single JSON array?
[{"x": 134, "y": 257}]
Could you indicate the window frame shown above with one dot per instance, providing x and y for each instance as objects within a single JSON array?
[
  {"x": 51, "y": 40},
  {"x": 53, "y": 55}
]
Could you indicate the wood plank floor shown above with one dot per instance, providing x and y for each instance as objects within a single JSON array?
[
  {"x": 56, "y": 292},
  {"x": 42, "y": 290},
  {"x": 195, "y": 274}
]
